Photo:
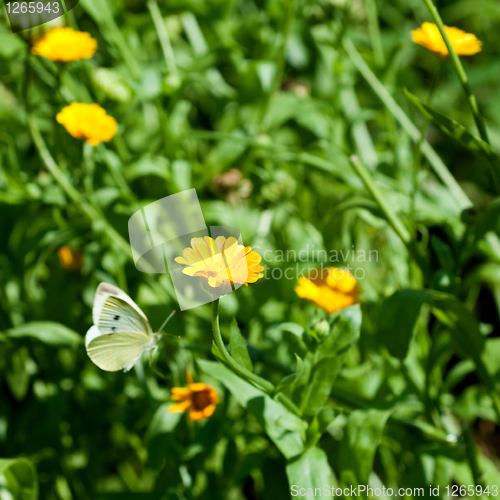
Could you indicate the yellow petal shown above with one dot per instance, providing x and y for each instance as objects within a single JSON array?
[{"x": 180, "y": 407}]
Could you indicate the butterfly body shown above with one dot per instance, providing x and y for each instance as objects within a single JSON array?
[{"x": 121, "y": 333}]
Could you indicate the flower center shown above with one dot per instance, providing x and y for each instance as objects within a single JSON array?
[{"x": 201, "y": 399}]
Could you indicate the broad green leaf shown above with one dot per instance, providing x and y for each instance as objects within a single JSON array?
[
  {"x": 454, "y": 130},
  {"x": 397, "y": 318},
  {"x": 238, "y": 346},
  {"x": 361, "y": 438},
  {"x": 19, "y": 477},
  {"x": 292, "y": 378},
  {"x": 48, "y": 332},
  {"x": 330, "y": 356},
  {"x": 286, "y": 430},
  {"x": 307, "y": 472}
]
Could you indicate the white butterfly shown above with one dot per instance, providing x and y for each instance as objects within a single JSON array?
[{"x": 121, "y": 333}]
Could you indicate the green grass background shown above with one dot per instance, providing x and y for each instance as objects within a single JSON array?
[{"x": 274, "y": 90}]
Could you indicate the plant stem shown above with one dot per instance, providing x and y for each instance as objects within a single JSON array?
[
  {"x": 117, "y": 174},
  {"x": 435, "y": 161},
  {"x": 54, "y": 169},
  {"x": 89, "y": 169},
  {"x": 27, "y": 77},
  {"x": 471, "y": 449},
  {"x": 374, "y": 32},
  {"x": 459, "y": 70},
  {"x": 394, "y": 221},
  {"x": 161, "y": 29},
  {"x": 88, "y": 210},
  {"x": 417, "y": 157},
  {"x": 139, "y": 371},
  {"x": 95, "y": 218},
  {"x": 109, "y": 25},
  {"x": 236, "y": 367},
  {"x": 245, "y": 374}
]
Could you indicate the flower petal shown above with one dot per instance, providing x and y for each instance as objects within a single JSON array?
[{"x": 180, "y": 407}]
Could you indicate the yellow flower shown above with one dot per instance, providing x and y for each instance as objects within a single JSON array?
[
  {"x": 339, "y": 289},
  {"x": 65, "y": 45},
  {"x": 87, "y": 121},
  {"x": 223, "y": 262},
  {"x": 71, "y": 260},
  {"x": 429, "y": 36},
  {"x": 199, "y": 399}
]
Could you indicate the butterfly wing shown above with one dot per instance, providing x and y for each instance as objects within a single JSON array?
[
  {"x": 92, "y": 334},
  {"x": 132, "y": 319},
  {"x": 119, "y": 316},
  {"x": 116, "y": 351}
]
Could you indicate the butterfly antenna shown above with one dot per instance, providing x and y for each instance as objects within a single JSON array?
[{"x": 167, "y": 320}]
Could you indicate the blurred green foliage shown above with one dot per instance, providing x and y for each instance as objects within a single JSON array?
[{"x": 258, "y": 105}]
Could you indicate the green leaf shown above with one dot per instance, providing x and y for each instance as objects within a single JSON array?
[
  {"x": 292, "y": 378},
  {"x": 19, "y": 477},
  {"x": 491, "y": 356},
  {"x": 148, "y": 166},
  {"x": 399, "y": 314},
  {"x": 330, "y": 356},
  {"x": 462, "y": 323},
  {"x": 48, "y": 332},
  {"x": 293, "y": 328},
  {"x": 238, "y": 346},
  {"x": 318, "y": 425},
  {"x": 397, "y": 318},
  {"x": 158, "y": 438},
  {"x": 20, "y": 367},
  {"x": 361, "y": 438},
  {"x": 286, "y": 430},
  {"x": 308, "y": 472},
  {"x": 488, "y": 221},
  {"x": 454, "y": 130},
  {"x": 163, "y": 421},
  {"x": 181, "y": 174},
  {"x": 111, "y": 84}
]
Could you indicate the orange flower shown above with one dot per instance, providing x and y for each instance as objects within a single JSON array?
[
  {"x": 88, "y": 121},
  {"x": 65, "y": 45},
  {"x": 199, "y": 399},
  {"x": 338, "y": 290},
  {"x": 429, "y": 36},
  {"x": 222, "y": 262},
  {"x": 71, "y": 260}
]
